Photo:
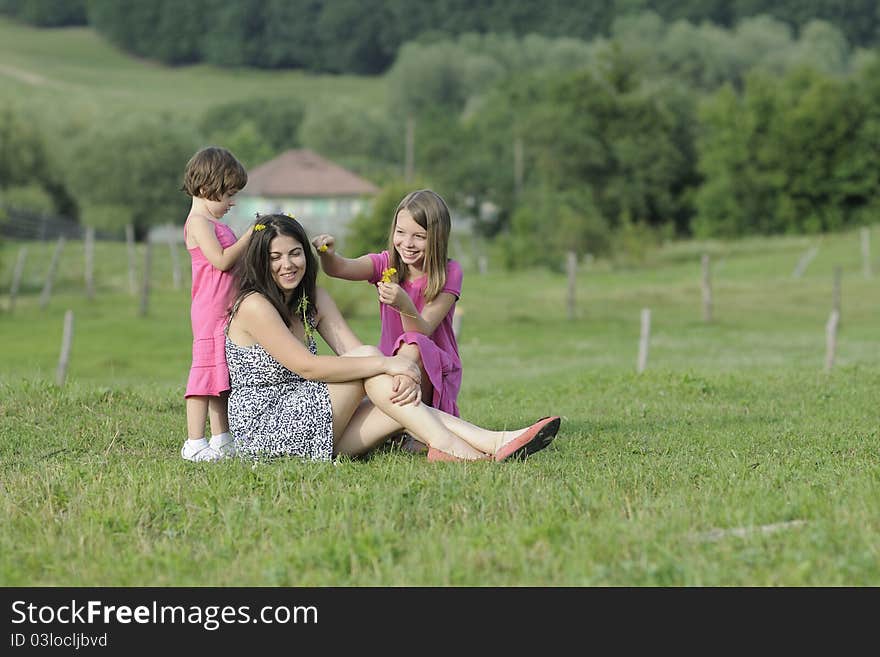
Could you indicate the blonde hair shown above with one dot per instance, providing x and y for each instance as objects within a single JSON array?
[
  {"x": 430, "y": 212},
  {"x": 212, "y": 172}
]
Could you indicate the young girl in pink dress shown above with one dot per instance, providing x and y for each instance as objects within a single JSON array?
[
  {"x": 212, "y": 178},
  {"x": 417, "y": 311}
]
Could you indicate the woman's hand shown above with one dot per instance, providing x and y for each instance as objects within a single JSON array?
[
  {"x": 406, "y": 391},
  {"x": 402, "y": 366},
  {"x": 325, "y": 244},
  {"x": 391, "y": 294}
]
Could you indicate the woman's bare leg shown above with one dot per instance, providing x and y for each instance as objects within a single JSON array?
[
  {"x": 419, "y": 419},
  {"x": 359, "y": 425},
  {"x": 356, "y": 431},
  {"x": 368, "y": 428},
  {"x": 484, "y": 440}
]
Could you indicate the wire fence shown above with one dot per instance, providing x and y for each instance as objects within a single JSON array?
[{"x": 18, "y": 224}]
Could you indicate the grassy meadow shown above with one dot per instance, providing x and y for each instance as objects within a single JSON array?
[
  {"x": 734, "y": 459},
  {"x": 73, "y": 77}
]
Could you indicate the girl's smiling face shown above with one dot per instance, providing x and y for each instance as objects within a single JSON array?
[
  {"x": 287, "y": 259},
  {"x": 410, "y": 240}
]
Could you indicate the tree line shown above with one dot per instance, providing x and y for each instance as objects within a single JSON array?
[
  {"x": 364, "y": 36},
  {"x": 658, "y": 130}
]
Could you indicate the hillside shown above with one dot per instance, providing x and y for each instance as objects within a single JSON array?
[{"x": 73, "y": 73}]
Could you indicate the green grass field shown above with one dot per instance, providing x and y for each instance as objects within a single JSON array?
[{"x": 734, "y": 459}]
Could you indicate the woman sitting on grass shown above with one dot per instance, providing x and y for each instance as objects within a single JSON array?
[{"x": 288, "y": 401}]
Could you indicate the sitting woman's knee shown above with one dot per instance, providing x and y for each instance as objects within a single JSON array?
[{"x": 363, "y": 350}]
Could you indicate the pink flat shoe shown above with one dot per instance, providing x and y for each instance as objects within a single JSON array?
[
  {"x": 438, "y": 455},
  {"x": 532, "y": 440}
]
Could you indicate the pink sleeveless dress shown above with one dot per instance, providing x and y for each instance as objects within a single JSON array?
[{"x": 212, "y": 292}]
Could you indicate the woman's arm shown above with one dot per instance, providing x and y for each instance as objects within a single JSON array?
[
  {"x": 332, "y": 325},
  {"x": 333, "y": 264},
  {"x": 202, "y": 232},
  {"x": 258, "y": 318},
  {"x": 337, "y": 333}
]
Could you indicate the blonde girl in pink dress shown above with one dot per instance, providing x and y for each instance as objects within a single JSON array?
[
  {"x": 212, "y": 178},
  {"x": 416, "y": 301}
]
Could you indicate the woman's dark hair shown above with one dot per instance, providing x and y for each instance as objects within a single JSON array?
[{"x": 254, "y": 271}]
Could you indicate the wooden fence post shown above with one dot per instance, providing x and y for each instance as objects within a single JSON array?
[
  {"x": 50, "y": 273},
  {"x": 804, "y": 261},
  {"x": 866, "y": 251},
  {"x": 644, "y": 338},
  {"x": 16, "y": 276},
  {"x": 66, "y": 341},
  {"x": 571, "y": 266},
  {"x": 145, "y": 287},
  {"x": 707, "y": 289},
  {"x": 831, "y": 339},
  {"x": 129, "y": 242},
  {"x": 175, "y": 262},
  {"x": 456, "y": 321},
  {"x": 90, "y": 262},
  {"x": 835, "y": 291}
]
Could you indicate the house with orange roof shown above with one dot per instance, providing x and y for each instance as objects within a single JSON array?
[{"x": 323, "y": 196}]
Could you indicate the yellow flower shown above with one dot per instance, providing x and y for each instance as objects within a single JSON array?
[
  {"x": 260, "y": 227},
  {"x": 322, "y": 248},
  {"x": 287, "y": 214},
  {"x": 387, "y": 274}
]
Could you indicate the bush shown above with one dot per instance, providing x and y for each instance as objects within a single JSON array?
[
  {"x": 548, "y": 223},
  {"x": 275, "y": 120},
  {"x": 32, "y": 198},
  {"x": 368, "y": 232}
]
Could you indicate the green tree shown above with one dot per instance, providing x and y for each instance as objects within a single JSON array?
[
  {"x": 290, "y": 39},
  {"x": 246, "y": 142},
  {"x": 549, "y": 222},
  {"x": 275, "y": 121},
  {"x": 368, "y": 231},
  {"x": 353, "y": 31},
  {"x": 234, "y": 35},
  {"x": 25, "y": 162},
  {"x": 132, "y": 173},
  {"x": 46, "y": 13},
  {"x": 791, "y": 157},
  {"x": 346, "y": 130}
]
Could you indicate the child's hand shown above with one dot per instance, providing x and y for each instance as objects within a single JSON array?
[
  {"x": 406, "y": 391},
  {"x": 391, "y": 294},
  {"x": 325, "y": 244}
]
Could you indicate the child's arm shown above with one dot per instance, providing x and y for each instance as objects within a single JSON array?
[
  {"x": 333, "y": 264},
  {"x": 202, "y": 232},
  {"x": 425, "y": 322}
]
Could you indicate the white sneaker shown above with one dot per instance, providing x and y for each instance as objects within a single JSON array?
[
  {"x": 203, "y": 454},
  {"x": 226, "y": 448}
]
